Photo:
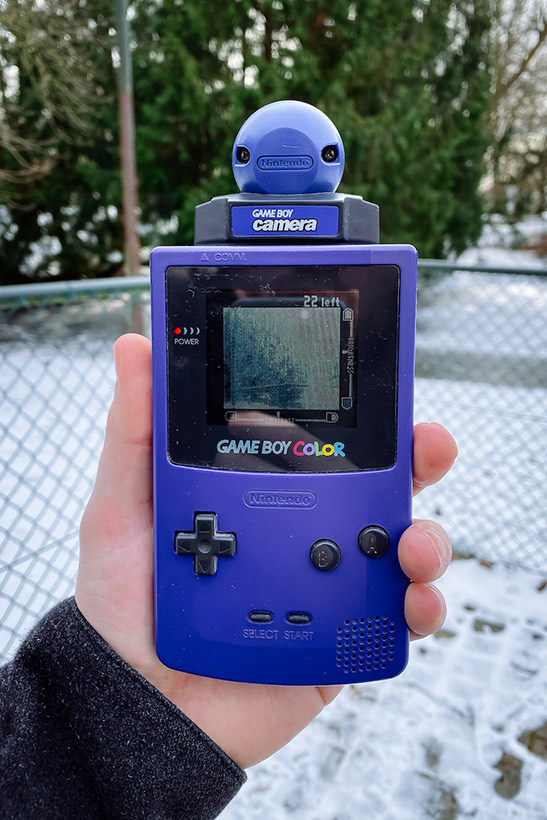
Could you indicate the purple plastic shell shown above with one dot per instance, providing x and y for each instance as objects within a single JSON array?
[{"x": 357, "y": 630}]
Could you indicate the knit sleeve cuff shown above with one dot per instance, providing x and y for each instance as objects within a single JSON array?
[{"x": 120, "y": 743}]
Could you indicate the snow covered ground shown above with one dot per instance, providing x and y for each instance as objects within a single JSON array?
[{"x": 463, "y": 732}]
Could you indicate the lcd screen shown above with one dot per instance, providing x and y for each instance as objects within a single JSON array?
[
  {"x": 283, "y": 355},
  {"x": 281, "y": 358}
]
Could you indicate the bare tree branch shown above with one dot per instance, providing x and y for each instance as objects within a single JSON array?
[{"x": 504, "y": 86}]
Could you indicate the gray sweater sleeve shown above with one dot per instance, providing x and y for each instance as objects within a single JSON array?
[{"x": 85, "y": 736}]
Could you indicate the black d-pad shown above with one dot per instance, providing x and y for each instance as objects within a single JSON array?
[{"x": 205, "y": 543}]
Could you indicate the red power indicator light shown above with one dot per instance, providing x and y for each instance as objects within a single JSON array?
[{"x": 177, "y": 331}]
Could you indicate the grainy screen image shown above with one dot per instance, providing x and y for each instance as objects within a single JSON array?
[{"x": 281, "y": 358}]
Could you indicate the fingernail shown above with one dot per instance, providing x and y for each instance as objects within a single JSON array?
[
  {"x": 116, "y": 362},
  {"x": 440, "y": 596},
  {"x": 441, "y": 547},
  {"x": 446, "y": 432}
]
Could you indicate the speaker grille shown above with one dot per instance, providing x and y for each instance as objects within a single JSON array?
[{"x": 365, "y": 644}]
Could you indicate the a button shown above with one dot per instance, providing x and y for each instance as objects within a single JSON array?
[
  {"x": 259, "y": 616},
  {"x": 373, "y": 541},
  {"x": 325, "y": 554},
  {"x": 298, "y": 617},
  {"x": 205, "y": 543}
]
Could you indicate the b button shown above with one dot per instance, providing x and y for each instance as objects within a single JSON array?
[{"x": 325, "y": 554}]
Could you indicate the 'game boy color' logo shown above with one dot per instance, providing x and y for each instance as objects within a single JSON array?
[{"x": 284, "y": 499}]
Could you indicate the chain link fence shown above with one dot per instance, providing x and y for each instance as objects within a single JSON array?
[{"x": 481, "y": 371}]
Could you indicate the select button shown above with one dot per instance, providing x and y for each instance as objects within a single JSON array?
[{"x": 259, "y": 616}]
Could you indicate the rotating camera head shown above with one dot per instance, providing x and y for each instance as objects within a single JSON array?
[
  {"x": 288, "y": 147},
  {"x": 288, "y": 159}
]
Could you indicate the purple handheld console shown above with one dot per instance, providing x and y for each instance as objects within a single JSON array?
[{"x": 283, "y": 356}]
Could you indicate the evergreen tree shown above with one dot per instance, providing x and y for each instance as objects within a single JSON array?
[
  {"x": 58, "y": 141},
  {"x": 187, "y": 105},
  {"x": 406, "y": 84}
]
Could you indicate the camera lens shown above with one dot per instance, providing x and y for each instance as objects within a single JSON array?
[
  {"x": 329, "y": 153},
  {"x": 243, "y": 154}
]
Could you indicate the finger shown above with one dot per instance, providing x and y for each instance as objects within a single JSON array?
[
  {"x": 131, "y": 409},
  {"x": 425, "y": 610},
  {"x": 424, "y": 551},
  {"x": 434, "y": 453},
  {"x": 123, "y": 483}
]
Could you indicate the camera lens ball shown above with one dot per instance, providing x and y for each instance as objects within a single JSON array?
[
  {"x": 329, "y": 153},
  {"x": 243, "y": 154},
  {"x": 288, "y": 147}
]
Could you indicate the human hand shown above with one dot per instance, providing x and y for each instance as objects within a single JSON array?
[{"x": 114, "y": 589}]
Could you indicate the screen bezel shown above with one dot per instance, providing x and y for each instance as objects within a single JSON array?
[{"x": 370, "y": 443}]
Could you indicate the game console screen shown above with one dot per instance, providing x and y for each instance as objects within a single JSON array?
[
  {"x": 282, "y": 358},
  {"x": 287, "y": 355}
]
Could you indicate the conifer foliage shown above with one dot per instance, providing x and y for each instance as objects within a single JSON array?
[{"x": 407, "y": 85}]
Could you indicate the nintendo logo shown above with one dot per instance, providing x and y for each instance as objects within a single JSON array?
[
  {"x": 282, "y": 499},
  {"x": 298, "y": 162}
]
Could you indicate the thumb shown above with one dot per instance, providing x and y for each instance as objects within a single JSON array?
[{"x": 123, "y": 488}]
